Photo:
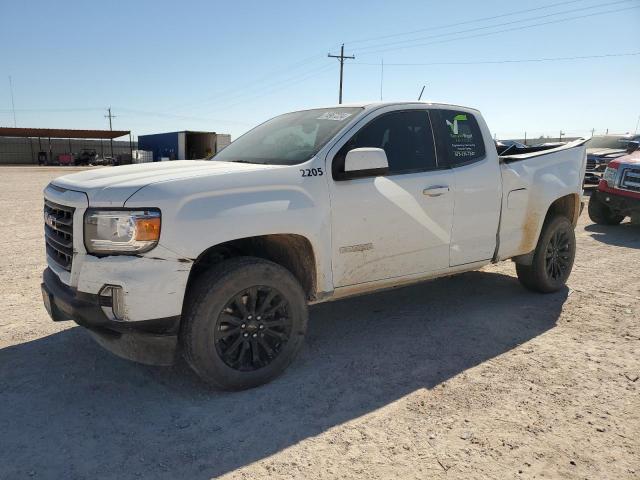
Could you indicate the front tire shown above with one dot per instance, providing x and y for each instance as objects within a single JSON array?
[
  {"x": 552, "y": 258},
  {"x": 244, "y": 323},
  {"x": 600, "y": 213}
]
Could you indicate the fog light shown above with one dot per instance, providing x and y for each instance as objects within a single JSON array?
[{"x": 112, "y": 302}]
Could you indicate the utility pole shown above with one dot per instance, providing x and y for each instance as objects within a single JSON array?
[
  {"x": 593, "y": 130},
  {"x": 111, "y": 129},
  {"x": 13, "y": 105},
  {"x": 637, "y": 124},
  {"x": 560, "y": 137},
  {"x": 341, "y": 58}
]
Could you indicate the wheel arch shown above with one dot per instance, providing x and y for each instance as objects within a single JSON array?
[
  {"x": 291, "y": 251},
  {"x": 569, "y": 206}
]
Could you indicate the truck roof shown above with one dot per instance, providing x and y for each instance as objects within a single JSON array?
[{"x": 373, "y": 104}]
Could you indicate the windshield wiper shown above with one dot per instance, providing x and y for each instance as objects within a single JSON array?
[{"x": 236, "y": 161}]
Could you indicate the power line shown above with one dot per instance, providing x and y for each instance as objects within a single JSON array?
[
  {"x": 313, "y": 58},
  {"x": 54, "y": 110},
  {"x": 399, "y": 42},
  {"x": 477, "y": 20},
  {"x": 341, "y": 58},
  {"x": 243, "y": 97},
  {"x": 527, "y": 60},
  {"x": 240, "y": 90},
  {"x": 180, "y": 117},
  {"x": 503, "y": 30},
  {"x": 263, "y": 94}
]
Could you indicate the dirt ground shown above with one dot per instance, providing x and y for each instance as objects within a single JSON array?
[{"x": 463, "y": 377}]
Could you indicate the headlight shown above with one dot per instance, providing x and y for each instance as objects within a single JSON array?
[
  {"x": 609, "y": 176},
  {"x": 121, "y": 231}
]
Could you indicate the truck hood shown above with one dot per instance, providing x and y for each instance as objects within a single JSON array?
[
  {"x": 112, "y": 186},
  {"x": 603, "y": 152},
  {"x": 632, "y": 159}
]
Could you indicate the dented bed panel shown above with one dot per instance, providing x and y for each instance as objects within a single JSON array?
[{"x": 530, "y": 186}]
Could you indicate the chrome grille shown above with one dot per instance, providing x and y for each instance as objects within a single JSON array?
[
  {"x": 58, "y": 233},
  {"x": 631, "y": 179}
]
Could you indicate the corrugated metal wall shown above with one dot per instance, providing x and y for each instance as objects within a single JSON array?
[{"x": 25, "y": 150}]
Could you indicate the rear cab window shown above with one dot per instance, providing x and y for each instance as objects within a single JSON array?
[{"x": 458, "y": 137}]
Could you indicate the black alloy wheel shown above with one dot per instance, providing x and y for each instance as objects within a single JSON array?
[
  {"x": 253, "y": 328},
  {"x": 552, "y": 259},
  {"x": 557, "y": 256}
]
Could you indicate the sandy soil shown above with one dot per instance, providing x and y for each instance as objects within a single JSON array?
[{"x": 464, "y": 377}]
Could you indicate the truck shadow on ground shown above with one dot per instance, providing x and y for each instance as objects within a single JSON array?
[
  {"x": 71, "y": 410},
  {"x": 624, "y": 235}
]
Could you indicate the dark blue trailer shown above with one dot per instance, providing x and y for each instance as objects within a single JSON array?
[{"x": 185, "y": 145}]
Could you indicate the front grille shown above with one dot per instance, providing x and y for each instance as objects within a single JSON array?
[
  {"x": 58, "y": 233},
  {"x": 591, "y": 164},
  {"x": 631, "y": 179}
]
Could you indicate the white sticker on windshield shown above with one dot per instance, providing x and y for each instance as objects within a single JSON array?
[{"x": 338, "y": 116}]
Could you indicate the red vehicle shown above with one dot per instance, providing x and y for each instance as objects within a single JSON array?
[
  {"x": 65, "y": 159},
  {"x": 618, "y": 194}
]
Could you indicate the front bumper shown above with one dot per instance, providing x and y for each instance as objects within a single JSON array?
[
  {"x": 153, "y": 342},
  {"x": 625, "y": 205}
]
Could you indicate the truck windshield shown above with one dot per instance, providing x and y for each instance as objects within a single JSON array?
[
  {"x": 288, "y": 139},
  {"x": 608, "y": 142}
]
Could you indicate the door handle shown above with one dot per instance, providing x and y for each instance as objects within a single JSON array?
[{"x": 435, "y": 190}]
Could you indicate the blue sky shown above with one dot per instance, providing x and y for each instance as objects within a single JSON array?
[{"x": 225, "y": 66}]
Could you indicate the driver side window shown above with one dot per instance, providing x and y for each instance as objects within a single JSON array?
[{"x": 405, "y": 136}]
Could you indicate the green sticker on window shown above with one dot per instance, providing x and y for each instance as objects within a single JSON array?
[{"x": 454, "y": 126}]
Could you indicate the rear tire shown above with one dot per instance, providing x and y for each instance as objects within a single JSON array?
[
  {"x": 552, "y": 258},
  {"x": 244, "y": 322},
  {"x": 600, "y": 213}
]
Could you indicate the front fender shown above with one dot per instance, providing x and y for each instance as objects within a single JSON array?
[{"x": 199, "y": 213}]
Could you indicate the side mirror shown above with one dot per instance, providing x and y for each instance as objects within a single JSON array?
[
  {"x": 631, "y": 146},
  {"x": 365, "y": 162}
]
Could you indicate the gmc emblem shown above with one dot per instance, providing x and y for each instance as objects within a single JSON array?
[{"x": 50, "y": 220}]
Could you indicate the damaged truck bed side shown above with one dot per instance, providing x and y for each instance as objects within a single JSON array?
[{"x": 219, "y": 258}]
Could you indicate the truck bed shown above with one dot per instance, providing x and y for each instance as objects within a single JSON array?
[{"x": 531, "y": 182}]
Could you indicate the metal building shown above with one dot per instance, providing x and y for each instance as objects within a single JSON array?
[{"x": 185, "y": 145}]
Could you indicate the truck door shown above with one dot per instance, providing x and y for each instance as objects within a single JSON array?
[
  {"x": 396, "y": 224},
  {"x": 474, "y": 164}
]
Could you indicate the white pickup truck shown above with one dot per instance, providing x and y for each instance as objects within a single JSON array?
[{"x": 218, "y": 259}]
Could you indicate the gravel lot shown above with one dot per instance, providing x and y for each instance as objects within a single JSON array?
[{"x": 463, "y": 377}]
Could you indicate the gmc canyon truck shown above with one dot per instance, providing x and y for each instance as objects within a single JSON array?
[{"x": 218, "y": 259}]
